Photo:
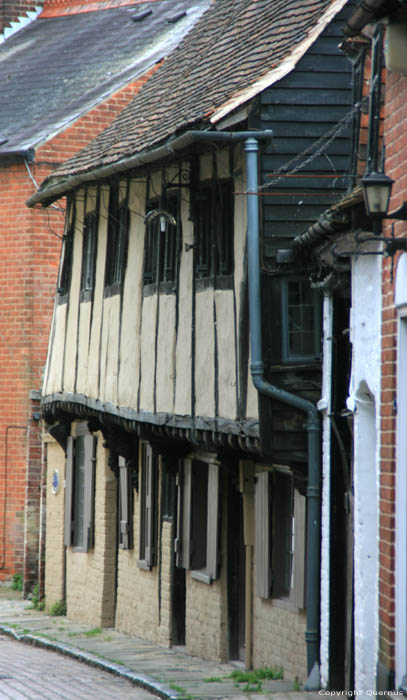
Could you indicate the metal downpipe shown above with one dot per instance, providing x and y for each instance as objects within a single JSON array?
[{"x": 313, "y": 427}]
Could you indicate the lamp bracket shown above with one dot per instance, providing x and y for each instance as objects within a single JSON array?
[
  {"x": 391, "y": 245},
  {"x": 400, "y": 214}
]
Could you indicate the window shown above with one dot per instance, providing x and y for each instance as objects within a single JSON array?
[
  {"x": 280, "y": 538},
  {"x": 148, "y": 508},
  {"x": 160, "y": 247},
  {"x": 125, "y": 505},
  {"x": 67, "y": 255},
  {"x": 197, "y": 540},
  {"x": 89, "y": 243},
  {"x": 301, "y": 321},
  {"x": 117, "y": 241},
  {"x": 80, "y": 490},
  {"x": 214, "y": 226}
]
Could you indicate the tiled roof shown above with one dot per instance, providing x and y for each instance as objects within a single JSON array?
[
  {"x": 58, "y": 68},
  {"x": 236, "y": 48}
]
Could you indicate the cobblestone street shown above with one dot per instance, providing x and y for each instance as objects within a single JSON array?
[{"x": 38, "y": 674}]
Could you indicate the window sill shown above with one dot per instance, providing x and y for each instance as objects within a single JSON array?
[
  {"x": 112, "y": 290},
  {"x": 201, "y": 575},
  {"x": 62, "y": 298},
  {"x": 286, "y": 604},
  {"x": 86, "y": 295},
  {"x": 160, "y": 288},
  {"x": 220, "y": 282},
  {"x": 142, "y": 564}
]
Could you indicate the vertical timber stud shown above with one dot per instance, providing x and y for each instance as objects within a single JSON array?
[{"x": 246, "y": 478}]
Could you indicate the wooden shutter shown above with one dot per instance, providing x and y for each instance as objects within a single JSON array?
[
  {"x": 68, "y": 491},
  {"x": 282, "y": 516},
  {"x": 184, "y": 516},
  {"x": 212, "y": 559},
  {"x": 126, "y": 503},
  {"x": 89, "y": 496},
  {"x": 262, "y": 535},
  {"x": 298, "y": 592},
  {"x": 148, "y": 506}
]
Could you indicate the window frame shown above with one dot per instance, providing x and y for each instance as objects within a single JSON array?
[
  {"x": 89, "y": 254},
  {"x": 117, "y": 243},
  {"x": 126, "y": 504},
  {"x": 156, "y": 273},
  {"x": 147, "y": 557},
  {"x": 80, "y": 537},
  {"x": 269, "y": 582},
  {"x": 288, "y": 356},
  {"x": 188, "y": 524},
  {"x": 214, "y": 233},
  {"x": 65, "y": 272}
]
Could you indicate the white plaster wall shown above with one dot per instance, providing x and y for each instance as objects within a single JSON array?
[
  {"x": 364, "y": 401},
  {"x": 325, "y": 407},
  {"x": 132, "y": 296},
  {"x": 55, "y": 361}
]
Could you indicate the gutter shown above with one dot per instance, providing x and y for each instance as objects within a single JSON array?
[
  {"x": 52, "y": 192},
  {"x": 363, "y": 14},
  {"x": 312, "y": 425}
]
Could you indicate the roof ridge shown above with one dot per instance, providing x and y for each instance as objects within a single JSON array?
[{"x": 60, "y": 8}]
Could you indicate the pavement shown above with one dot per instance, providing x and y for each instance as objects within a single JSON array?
[{"x": 171, "y": 674}]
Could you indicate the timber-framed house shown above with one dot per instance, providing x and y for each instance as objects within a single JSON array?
[{"x": 184, "y": 362}]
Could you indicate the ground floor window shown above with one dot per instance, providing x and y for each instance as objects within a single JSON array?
[
  {"x": 280, "y": 538},
  {"x": 80, "y": 490},
  {"x": 148, "y": 507},
  {"x": 197, "y": 542}
]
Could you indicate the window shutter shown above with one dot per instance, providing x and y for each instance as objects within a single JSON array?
[
  {"x": 148, "y": 515},
  {"x": 300, "y": 503},
  {"x": 89, "y": 496},
  {"x": 126, "y": 510},
  {"x": 184, "y": 515},
  {"x": 212, "y": 560},
  {"x": 68, "y": 492},
  {"x": 262, "y": 535}
]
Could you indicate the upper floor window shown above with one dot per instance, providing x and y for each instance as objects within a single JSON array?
[
  {"x": 214, "y": 227},
  {"x": 160, "y": 246},
  {"x": 117, "y": 241},
  {"x": 301, "y": 321},
  {"x": 89, "y": 244},
  {"x": 67, "y": 255}
]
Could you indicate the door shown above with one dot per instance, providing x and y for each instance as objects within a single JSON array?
[{"x": 236, "y": 573}]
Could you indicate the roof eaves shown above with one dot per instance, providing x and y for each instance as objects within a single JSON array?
[{"x": 281, "y": 70}]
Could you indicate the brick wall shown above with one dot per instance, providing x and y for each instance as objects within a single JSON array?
[
  {"x": 30, "y": 249},
  {"x": 91, "y": 576},
  {"x": 396, "y": 149},
  {"x": 13, "y": 10}
]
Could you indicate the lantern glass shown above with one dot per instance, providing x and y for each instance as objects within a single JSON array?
[{"x": 376, "y": 192}]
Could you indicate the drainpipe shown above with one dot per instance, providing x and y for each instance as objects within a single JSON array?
[{"x": 312, "y": 425}]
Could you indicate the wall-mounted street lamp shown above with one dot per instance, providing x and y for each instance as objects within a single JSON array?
[{"x": 376, "y": 192}]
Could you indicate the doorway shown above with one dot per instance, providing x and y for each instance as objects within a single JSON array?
[{"x": 236, "y": 573}]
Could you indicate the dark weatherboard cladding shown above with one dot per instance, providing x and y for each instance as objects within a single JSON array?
[{"x": 300, "y": 109}]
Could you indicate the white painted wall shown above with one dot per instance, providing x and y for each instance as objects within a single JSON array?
[
  {"x": 364, "y": 401},
  {"x": 324, "y": 406}
]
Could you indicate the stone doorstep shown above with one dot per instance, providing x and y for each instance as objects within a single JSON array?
[{"x": 123, "y": 654}]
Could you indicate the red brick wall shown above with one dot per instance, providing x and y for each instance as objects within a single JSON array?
[
  {"x": 29, "y": 256},
  {"x": 12, "y": 10},
  {"x": 395, "y": 129}
]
